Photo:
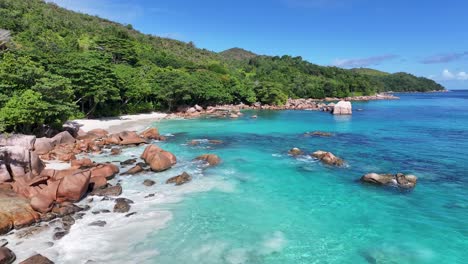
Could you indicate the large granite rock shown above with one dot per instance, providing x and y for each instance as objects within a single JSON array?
[
  {"x": 150, "y": 133},
  {"x": 157, "y": 158},
  {"x": 397, "y": 180},
  {"x": 43, "y": 145},
  {"x": 342, "y": 108},
  {"x": 328, "y": 158},
  {"x": 63, "y": 138},
  {"x": 18, "y": 140},
  {"x": 15, "y": 211},
  {"x": 130, "y": 138},
  {"x": 18, "y": 162}
]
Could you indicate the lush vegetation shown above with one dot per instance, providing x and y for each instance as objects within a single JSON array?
[
  {"x": 60, "y": 64},
  {"x": 399, "y": 82}
]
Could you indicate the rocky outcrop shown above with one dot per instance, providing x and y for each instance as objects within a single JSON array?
[
  {"x": 17, "y": 140},
  {"x": 130, "y": 138},
  {"x": 397, "y": 180},
  {"x": 211, "y": 159},
  {"x": 17, "y": 162},
  {"x": 180, "y": 179},
  {"x": 342, "y": 108},
  {"x": 328, "y": 158},
  {"x": 152, "y": 133},
  {"x": 158, "y": 159},
  {"x": 43, "y": 145},
  {"x": 63, "y": 138},
  {"x": 37, "y": 259}
]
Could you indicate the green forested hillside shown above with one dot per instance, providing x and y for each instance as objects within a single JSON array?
[
  {"x": 399, "y": 82},
  {"x": 56, "y": 64}
]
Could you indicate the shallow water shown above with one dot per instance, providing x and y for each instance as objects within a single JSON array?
[{"x": 264, "y": 206}]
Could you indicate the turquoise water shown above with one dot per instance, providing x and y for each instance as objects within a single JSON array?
[
  {"x": 274, "y": 208},
  {"x": 261, "y": 205}
]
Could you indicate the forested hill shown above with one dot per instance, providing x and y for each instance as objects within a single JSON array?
[{"x": 56, "y": 64}]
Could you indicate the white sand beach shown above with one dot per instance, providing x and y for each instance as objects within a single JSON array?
[{"x": 117, "y": 124}]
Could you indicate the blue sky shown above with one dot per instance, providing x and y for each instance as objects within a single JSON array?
[{"x": 426, "y": 38}]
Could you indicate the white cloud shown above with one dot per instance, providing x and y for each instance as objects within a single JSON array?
[
  {"x": 462, "y": 76},
  {"x": 448, "y": 75}
]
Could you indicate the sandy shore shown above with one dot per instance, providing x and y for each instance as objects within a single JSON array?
[{"x": 117, "y": 124}]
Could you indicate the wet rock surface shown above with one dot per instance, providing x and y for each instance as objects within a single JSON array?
[
  {"x": 149, "y": 182},
  {"x": 37, "y": 259},
  {"x": 399, "y": 180},
  {"x": 211, "y": 159},
  {"x": 328, "y": 158},
  {"x": 180, "y": 179},
  {"x": 108, "y": 191},
  {"x": 122, "y": 205},
  {"x": 99, "y": 223}
]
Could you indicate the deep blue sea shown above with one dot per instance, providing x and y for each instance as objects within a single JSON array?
[{"x": 263, "y": 206}]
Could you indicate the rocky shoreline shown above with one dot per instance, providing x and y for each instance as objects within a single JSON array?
[
  {"x": 31, "y": 194},
  {"x": 234, "y": 111}
]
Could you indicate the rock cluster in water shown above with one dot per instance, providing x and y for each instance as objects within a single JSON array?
[{"x": 399, "y": 180}]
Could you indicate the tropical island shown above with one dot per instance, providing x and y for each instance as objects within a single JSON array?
[
  {"x": 58, "y": 65},
  {"x": 89, "y": 146}
]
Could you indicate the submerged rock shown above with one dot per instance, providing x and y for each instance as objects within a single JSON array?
[
  {"x": 398, "y": 180},
  {"x": 328, "y": 158},
  {"x": 318, "y": 133},
  {"x": 99, "y": 223},
  {"x": 180, "y": 179},
  {"x": 211, "y": 159}
]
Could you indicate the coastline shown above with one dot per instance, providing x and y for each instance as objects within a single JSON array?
[
  {"x": 40, "y": 229},
  {"x": 138, "y": 122},
  {"x": 117, "y": 124}
]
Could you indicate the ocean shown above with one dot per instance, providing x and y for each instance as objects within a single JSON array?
[{"x": 261, "y": 205}]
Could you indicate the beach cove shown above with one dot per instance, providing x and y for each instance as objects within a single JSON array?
[{"x": 262, "y": 205}]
